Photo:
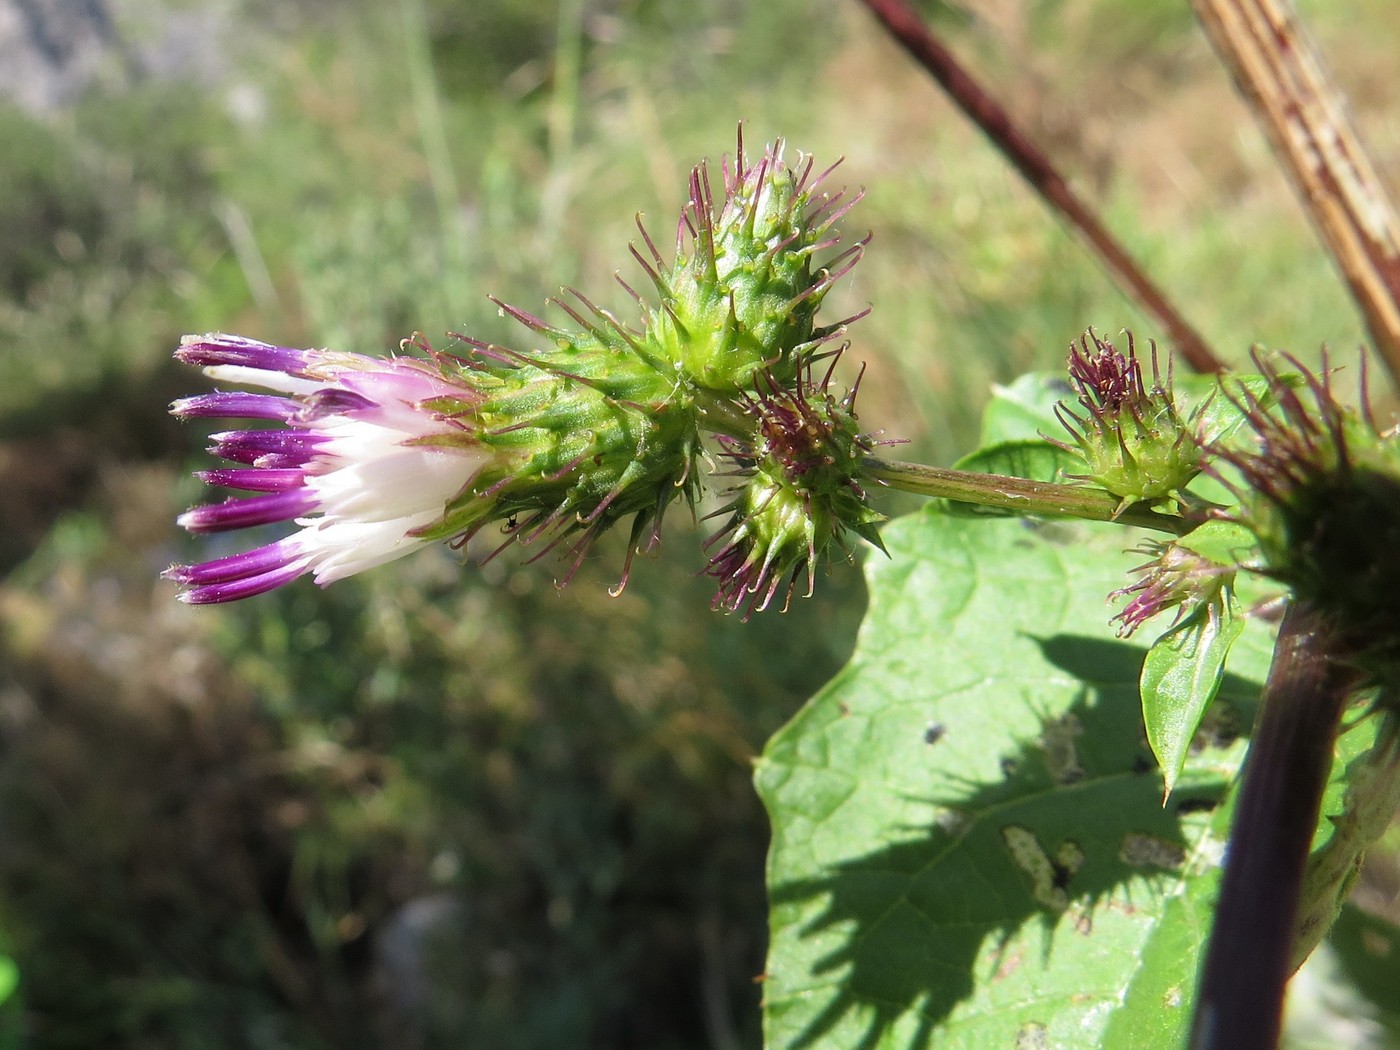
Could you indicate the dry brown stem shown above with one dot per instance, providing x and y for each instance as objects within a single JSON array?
[{"x": 1293, "y": 98}]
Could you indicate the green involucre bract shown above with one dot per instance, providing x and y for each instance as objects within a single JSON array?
[
  {"x": 1133, "y": 440},
  {"x": 743, "y": 292}
]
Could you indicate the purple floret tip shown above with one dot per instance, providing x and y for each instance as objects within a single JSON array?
[
  {"x": 218, "y": 349},
  {"x": 234, "y": 405}
]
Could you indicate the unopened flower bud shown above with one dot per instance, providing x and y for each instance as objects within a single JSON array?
[
  {"x": 801, "y": 494},
  {"x": 743, "y": 292},
  {"x": 1320, "y": 491},
  {"x": 1132, "y": 438},
  {"x": 1184, "y": 575}
]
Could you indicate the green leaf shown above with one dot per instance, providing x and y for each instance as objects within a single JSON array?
[
  {"x": 1028, "y": 458},
  {"x": 1210, "y": 402},
  {"x": 969, "y": 842},
  {"x": 1025, "y": 409},
  {"x": 1180, "y": 677},
  {"x": 1036, "y": 459},
  {"x": 1223, "y": 542}
]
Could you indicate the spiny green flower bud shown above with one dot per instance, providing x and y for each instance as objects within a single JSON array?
[
  {"x": 801, "y": 493},
  {"x": 1321, "y": 493},
  {"x": 1197, "y": 571},
  {"x": 582, "y": 435},
  {"x": 1132, "y": 439},
  {"x": 743, "y": 292}
]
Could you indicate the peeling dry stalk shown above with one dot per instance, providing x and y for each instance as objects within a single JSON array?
[{"x": 1276, "y": 68}]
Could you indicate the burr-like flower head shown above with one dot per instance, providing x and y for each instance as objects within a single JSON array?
[
  {"x": 800, "y": 493},
  {"x": 1320, "y": 490},
  {"x": 743, "y": 292},
  {"x": 1132, "y": 439},
  {"x": 586, "y": 432}
]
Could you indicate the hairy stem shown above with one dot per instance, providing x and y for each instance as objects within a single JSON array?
[
  {"x": 1240, "y": 1004},
  {"x": 1021, "y": 495},
  {"x": 1287, "y": 86},
  {"x": 905, "y": 25}
]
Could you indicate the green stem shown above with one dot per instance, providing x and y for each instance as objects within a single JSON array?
[{"x": 1021, "y": 495}]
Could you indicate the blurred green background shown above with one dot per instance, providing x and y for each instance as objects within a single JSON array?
[{"x": 443, "y": 805}]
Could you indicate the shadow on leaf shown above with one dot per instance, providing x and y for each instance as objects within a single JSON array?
[{"x": 1071, "y": 828}]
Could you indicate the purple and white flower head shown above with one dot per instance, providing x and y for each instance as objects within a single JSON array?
[{"x": 369, "y": 453}]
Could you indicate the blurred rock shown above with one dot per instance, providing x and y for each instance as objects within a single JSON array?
[
  {"x": 420, "y": 962},
  {"x": 51, "y": 51}
]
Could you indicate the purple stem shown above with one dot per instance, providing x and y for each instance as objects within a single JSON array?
[{"x": 1248, "y": 963}]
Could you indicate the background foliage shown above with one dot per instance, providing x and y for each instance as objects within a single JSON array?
[{"x": 442, "y": 804}]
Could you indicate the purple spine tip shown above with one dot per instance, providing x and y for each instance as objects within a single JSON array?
[
  {"x": 257, "y": 562},
  {"x": 253, "y": 479},
  {"x": 289, "y": 448},
  {"x": 247, "y": 587}
]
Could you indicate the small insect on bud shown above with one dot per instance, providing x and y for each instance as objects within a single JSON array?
[{"x": 1131, "y": 437}]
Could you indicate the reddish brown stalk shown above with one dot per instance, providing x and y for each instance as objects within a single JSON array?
[
  {"x": 905, "y": 25},
  {"x": 1293, "y": 99},
  {"x": 1248, "y": 963}
]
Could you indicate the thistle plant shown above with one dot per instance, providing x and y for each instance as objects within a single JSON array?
[
  {"x": 1257, "y": 489},
  {"x": 560, "y": 442}
]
